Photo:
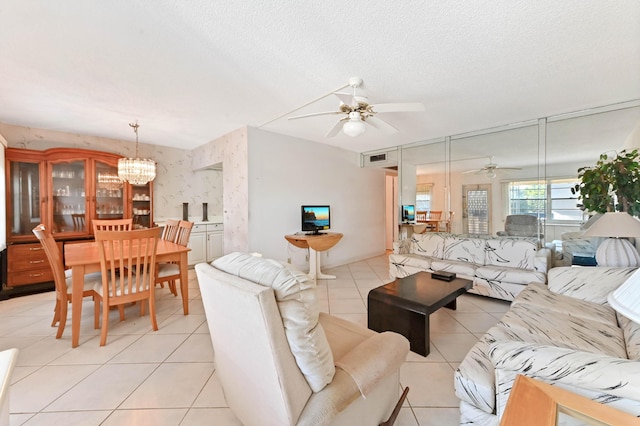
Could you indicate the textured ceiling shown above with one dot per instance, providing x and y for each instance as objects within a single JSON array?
[{"x": 191, "y": 71}]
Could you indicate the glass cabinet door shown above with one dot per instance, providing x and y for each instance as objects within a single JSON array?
[
  {"x": 25, "y": 198},
  {"x": 109, "y": 192},
  {"x": 68, "y": 195},
  {"x": 142, "y": 206}
]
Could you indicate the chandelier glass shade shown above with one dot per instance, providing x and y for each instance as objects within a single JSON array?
[{"x": 136, "y": 171}]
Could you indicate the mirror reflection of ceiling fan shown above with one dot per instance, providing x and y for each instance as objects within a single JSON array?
[
  {"x": 490, "y": 169},
  {"x": 358, "y": 113}
]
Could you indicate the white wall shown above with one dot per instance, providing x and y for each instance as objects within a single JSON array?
[
  {"x": 287, "y": 172},
  {"x": 232, "y": 151}
]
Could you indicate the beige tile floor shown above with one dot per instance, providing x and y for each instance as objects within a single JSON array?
[{"x": 168, "y": 378}]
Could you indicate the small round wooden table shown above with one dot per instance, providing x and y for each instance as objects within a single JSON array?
[{"x": 315, "y": 243}]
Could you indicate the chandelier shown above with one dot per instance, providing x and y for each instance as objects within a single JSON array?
[{"x": 136, "y": 171}]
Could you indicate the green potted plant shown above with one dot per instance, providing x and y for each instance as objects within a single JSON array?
[{"x": 612, "y": 185}]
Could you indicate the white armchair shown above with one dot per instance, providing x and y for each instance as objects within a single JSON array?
[
  {"x": 7, "y": 363},
  {"x": 281, "y": 362}
]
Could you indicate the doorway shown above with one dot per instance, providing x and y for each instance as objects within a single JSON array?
[{"x": 476, "y": 209}]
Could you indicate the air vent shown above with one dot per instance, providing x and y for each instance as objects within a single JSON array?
[{"x": 377, "y": 157}]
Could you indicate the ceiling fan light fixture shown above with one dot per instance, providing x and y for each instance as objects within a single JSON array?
[
  {"x": 354, "y": 126},
  {"x": 491, "y": 174}
]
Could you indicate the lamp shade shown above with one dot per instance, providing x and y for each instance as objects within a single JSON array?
[
  {"x": 615, "y": 225},
  {"x": 626, "y": 298}
]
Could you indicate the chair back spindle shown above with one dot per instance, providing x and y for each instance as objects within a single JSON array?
[{"x": 112, "y": 225}]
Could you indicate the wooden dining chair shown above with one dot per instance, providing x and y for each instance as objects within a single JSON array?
[
  {"x": 126, "y": 251},
  {"x": 78, "y": 221},
  {"x": 170, "y": 230},
  {"x": 433, "y": 219},
  {"x": 62, "y": 278},
  {"x": 112, "y": 225},
  {"x": 170, "y": 272}
]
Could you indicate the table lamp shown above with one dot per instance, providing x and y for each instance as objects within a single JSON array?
[
  {"x": 615, "y": 250},
  {"x": 626, "y": 298}
]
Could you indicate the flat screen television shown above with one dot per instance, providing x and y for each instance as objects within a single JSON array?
[
  {"x": 408, "y": 213},
  {"x": 316, "y": 219}
]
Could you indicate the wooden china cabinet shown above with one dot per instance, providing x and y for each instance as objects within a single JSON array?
[{"x": 65, "y": 189}]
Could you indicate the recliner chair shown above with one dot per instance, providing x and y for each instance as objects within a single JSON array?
[
  {"x": 520, "y": 225},
  {"x": 282, "y": 362}
]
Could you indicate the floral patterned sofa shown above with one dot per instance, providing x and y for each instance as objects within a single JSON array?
[
  {"x": 564, "y": 334},
  {"x": 499, "y": 267}
]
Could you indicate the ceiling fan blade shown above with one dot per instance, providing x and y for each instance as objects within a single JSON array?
[
  {"x": 507, "y": 168},
  {"x": 473, "y": 171},
  {"x": 345, "y": 98},
  {"x": 381, "y": 125},
  {"x": 398, "y": 107},
  {"x": 336, "y": 128},
  {"x": 314, "y": 114}
]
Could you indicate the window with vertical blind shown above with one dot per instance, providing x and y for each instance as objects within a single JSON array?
[
  {"x": 423, "y": 196},
  {"x": 550, "y": 200}
]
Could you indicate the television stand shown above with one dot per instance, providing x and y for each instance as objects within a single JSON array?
[{"x": 315, "y": 243}]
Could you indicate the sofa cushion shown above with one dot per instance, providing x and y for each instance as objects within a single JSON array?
[
  {"x": 514, "y": 253},
  {"x": 421, "y": 262},
  {"x": 510, "y": 275},
  {"x": 592, "y": 284},
  {"x": 631, "y": 331},
  {"x": 540, "y": 297},
  {"x": 463, "y": 269},
  {"x": 565, "y": 330},
  {"x": 464, "y": 249},
  {"x": 429, "y": 244},
  {"x": 497, "y": 289},
  {"x": 296, "y": 297}
]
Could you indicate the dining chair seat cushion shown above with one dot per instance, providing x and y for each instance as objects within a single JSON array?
[
  {"x": 167, "y": 269},
  {"x": 297, "y": 301},
  {"x": 98, "y": 289},
  {"x": 90, "y": 280}
]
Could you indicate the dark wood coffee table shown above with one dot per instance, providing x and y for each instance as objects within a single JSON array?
[{"x": 404, "y": 306}]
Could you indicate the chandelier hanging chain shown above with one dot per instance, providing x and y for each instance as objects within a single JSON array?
[{"x": 135, "y": 130}]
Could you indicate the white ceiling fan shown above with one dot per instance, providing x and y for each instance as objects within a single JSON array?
[
  {"x": 358, "y": 112},
  {"x": 490, "y": 169}
]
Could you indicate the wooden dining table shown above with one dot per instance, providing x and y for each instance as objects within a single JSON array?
[{"x": 84, "y": 258}]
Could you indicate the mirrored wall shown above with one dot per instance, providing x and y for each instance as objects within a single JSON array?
[{"x": 480, "y": 178}]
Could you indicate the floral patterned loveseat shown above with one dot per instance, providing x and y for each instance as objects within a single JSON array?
[{"x": 499, "y": 267}]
